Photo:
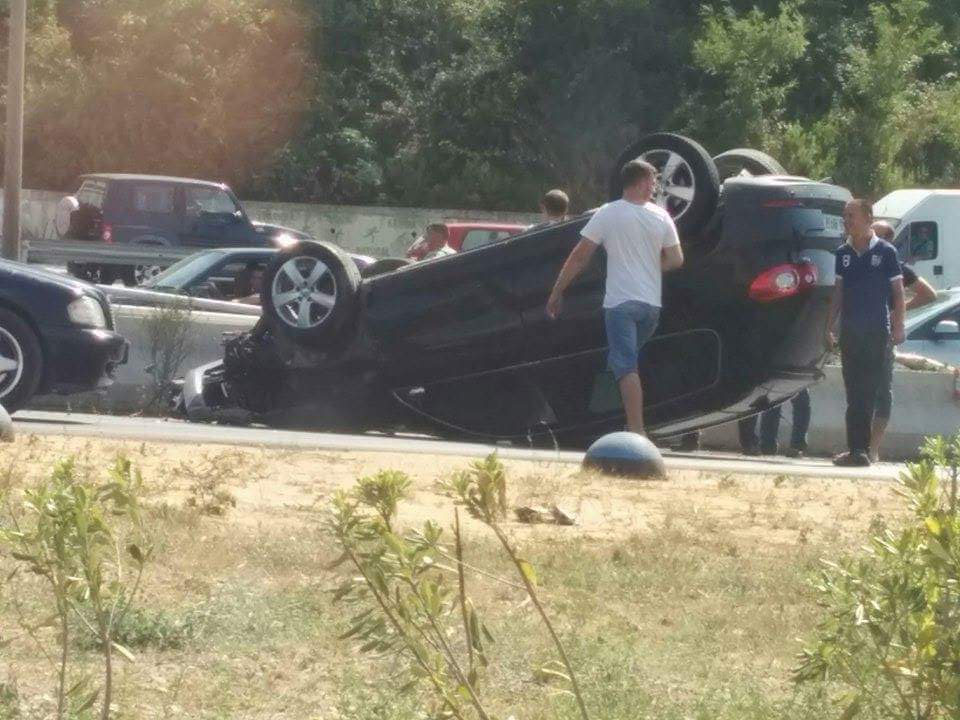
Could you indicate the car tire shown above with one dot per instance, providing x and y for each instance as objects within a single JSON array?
[
  {"x": 747, "y": 160},
  {"x": 384, "y": 266},
  {"x": 690, "y": 192},
  {"x": 21, "y": 361},
  {"x": 311, "y": 292}
]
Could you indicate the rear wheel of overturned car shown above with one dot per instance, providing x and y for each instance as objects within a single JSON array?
[
  {"x": 689, "y": 184},
  {"x": 747, "y": 162},
  {"x": 21, "y": 361},
  {"x": 311, "y": 292}
]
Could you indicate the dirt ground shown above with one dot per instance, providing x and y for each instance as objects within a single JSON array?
[
  {"x": 281, "y": 485},
  {"x": 271, "y": 538}
]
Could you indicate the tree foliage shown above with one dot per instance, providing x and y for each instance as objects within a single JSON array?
[{"x": 485, "y": 103}]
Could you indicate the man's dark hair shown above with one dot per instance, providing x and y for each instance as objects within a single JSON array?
[
  {"x": 252, "y": 266},
  {"x": 438, "y": 228},
  {"x": 555, "y": 203},
  {"x": 635, "y": 171},
  {"x": 864, "y": 206}
]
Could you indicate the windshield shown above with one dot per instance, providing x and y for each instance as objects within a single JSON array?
[
  {"x": 210, "y": 200},
  {"x": 179, "y": 275}
]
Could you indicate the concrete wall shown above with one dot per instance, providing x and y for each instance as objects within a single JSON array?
[
  {"x": 376, "y": 231},
  {"x": 923, "y": 405}
]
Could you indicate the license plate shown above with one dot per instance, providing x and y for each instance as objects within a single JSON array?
[{"x": 832, "y": 223}]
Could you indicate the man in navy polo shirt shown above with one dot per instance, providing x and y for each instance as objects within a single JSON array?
[{"x": 868, "y": 297}]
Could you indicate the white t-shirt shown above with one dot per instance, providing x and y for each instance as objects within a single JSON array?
[
  {"x": 633, "y": 236},
  {"x": 441, "y": 251}
]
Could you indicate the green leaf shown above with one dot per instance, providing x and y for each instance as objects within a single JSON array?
[
  {"x": 135, "y": 553},
  {"x": 528, "y": 572},
  {"x": 937, "y": 549}
]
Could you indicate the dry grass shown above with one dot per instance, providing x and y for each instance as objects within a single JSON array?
[{"x": 678, "y": 600}]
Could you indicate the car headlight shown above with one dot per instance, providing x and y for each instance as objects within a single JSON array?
[{"x": 86, "y": 311}]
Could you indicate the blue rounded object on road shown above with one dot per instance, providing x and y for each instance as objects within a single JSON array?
[{"x": 627, "y": 454}]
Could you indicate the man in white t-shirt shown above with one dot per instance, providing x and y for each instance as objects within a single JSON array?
[{"x": 641, "y": 243}]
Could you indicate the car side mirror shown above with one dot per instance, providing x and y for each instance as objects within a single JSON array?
[{"x": 946, "y": 329}]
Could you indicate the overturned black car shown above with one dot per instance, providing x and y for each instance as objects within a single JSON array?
[{"x": 461, "y": 345}]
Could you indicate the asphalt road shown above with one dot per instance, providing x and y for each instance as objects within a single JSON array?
[{"x": 167, "y": 430}]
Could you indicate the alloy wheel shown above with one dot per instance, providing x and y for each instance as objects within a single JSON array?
[
  {"x": 677, "y": 184},
  {"x": 304, "y": 292},
  {"x": 11, "y": 362}
]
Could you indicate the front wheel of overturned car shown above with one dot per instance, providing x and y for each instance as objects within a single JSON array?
[
  {"x": 689, "y": 184},
  {"x": 21, "y": 361},
  {"x": 311, "y": 292}
]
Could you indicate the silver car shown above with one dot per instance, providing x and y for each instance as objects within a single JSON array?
[{"x": 934, "y": 330}]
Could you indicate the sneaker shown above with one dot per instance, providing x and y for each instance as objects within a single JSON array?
[
  {"x": 770, "y": 450},
  {"x": 795, "y": 452},
  {"x": 852, "y": 459},
  {"x": 752, "y": 451}
]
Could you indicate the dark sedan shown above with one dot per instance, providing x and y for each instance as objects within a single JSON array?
[
  {"x": 461, "y": 345},
  {"x": 56, "y": 335}
]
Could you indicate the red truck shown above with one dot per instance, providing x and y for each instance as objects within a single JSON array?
[{"x": 467, "y": 236}]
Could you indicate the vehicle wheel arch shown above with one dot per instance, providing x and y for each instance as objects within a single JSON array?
[{"x": 31, "y": 322}]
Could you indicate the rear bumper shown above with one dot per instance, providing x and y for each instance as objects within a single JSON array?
[{"x": 80, "y": 359}]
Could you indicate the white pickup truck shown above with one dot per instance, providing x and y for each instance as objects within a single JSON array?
[{"x": 928, "y": 232}]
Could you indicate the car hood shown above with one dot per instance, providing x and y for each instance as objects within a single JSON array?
[
  {"x": 67, "y": 283},
  {"x": 273, "y": 230}
]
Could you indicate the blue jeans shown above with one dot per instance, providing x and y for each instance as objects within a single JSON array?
[{"x": 629, "y": 326}]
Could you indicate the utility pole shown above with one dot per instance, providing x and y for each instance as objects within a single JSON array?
[{"x": 13, "y": 147}]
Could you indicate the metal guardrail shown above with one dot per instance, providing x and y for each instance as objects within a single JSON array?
[
  {"x": 61, "y": 252},
  {"x": 144, "y": 297}
]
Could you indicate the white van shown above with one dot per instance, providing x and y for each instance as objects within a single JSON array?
[{"x": 928, "y": 232}]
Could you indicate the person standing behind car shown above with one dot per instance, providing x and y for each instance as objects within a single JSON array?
[
  {"x": 641, "y": 242},
  {"x": 553, "y": 209},
  {"x": 868, "y": 282},
  {"x": 436, "y": 236},
  {"x": 923, "y": 294}
]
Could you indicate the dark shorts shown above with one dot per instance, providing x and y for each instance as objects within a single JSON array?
[{"x": 629, "y": 326}]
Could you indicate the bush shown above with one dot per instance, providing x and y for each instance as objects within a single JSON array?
[{"x": 891, "y": 633}]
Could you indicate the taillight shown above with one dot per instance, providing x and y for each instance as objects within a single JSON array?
[
  {"x": 783, "y": 281},
  {"x": 106, "y": 233}
]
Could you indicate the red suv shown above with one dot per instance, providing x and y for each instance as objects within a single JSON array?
[{"x": 468, "y": 236}]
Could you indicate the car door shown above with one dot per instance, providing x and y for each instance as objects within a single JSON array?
[
  {"x": 214, "y": 218},
  {"x": 448, "y": 336},
  {"x": 566, "y": 358},
  {"x": 938, "y": 338},
  {"x": 152, "y": 214}
]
